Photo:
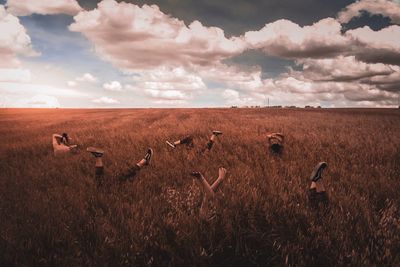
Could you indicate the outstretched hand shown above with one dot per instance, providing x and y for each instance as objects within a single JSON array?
[{"x": 221, "y": 172}]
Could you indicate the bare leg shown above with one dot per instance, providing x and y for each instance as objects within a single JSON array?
[
  {"x": 99, "y": 167},
  {"x": 131, "y": 172},
  {"x": 206, "y": 187},
  {"x": 212, "y": 139},
  {"x": 99, "y": 171},
  {"x": 313, "y": 185},
  {"x": 141, "y": 163},
  {"x": 221, "y": 177},
  {"x": 210, "y": 142},
  {"x": 188, "y": 141}
]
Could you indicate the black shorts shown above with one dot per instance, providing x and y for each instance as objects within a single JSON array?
[{"x": 317, "y": 199}]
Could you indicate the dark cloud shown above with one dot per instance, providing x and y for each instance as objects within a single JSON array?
[
  {"x": 374, "y": 21},
  {"x": 271, "y": 66},
  {"x": 379, "y": 55},
  {"x": 239, "y": 16}
]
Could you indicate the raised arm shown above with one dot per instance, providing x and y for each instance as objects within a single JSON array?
[
  {"x": 281, "y": 135},
  {"x": 56, "y": 139}
]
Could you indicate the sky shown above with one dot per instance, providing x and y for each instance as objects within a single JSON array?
[{"x": 199, "y": 53}]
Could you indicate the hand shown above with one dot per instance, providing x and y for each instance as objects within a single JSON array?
[
  {"x": 221, "y": 172},
  {"x": 198, "y": 175}
]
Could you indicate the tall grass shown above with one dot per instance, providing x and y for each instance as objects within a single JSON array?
[{"x": 52, "y": 213}]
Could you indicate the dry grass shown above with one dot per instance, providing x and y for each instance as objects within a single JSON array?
[{"x": 52, "y": 213}]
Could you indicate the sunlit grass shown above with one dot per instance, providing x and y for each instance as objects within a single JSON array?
[{"x": 53, "y": 213}]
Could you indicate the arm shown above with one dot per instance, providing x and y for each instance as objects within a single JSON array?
[
  {"x": 281, "y": 135},
  {"x": 56, "y": 139}
]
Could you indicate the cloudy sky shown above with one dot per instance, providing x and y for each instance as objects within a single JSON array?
[{"x": 199, "y": 53}]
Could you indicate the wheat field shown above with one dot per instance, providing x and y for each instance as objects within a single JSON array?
[{"x": 53, "y": 213}]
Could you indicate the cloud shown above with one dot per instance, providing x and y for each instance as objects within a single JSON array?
[
  {"x": 338, "y": 80},
  {"x": 168, "y": 84},
  {"x": 386, "y": 8},
  {"x": 43, "y": 7},
  {"x": 113, "y": 86},
  {"x": 71, "y": 83},
  {"x": 166, "y": 94},
  {"x": 18, "y": 86},
  {"x": 342, "y": 69},
  {"x": 286, "y": 39},
  {"x": 234, "y": 77},
  {"x": 376, "y": 46},
  {"x": 23, "y": 89},
  {"x": 38, "y": 101},
  {"x": 87, "y": 77},
  {"x": 234, "y": 98},
  {"x": 17, "y": 75},
  {"x": 137, "y": 38},
  {"x": 105, "y": 100},
  {"x": 14, "y": 41}
]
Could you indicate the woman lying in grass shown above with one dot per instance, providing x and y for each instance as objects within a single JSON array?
[
  {"x": 61, "y": 145},
  {"x": 188, "y": 142},
  {"x": 275, "y": 141},
  {"x": 208, "y": 193},
  {"x": 127, "y": 175},
  {"x": 317, "y": 195}
]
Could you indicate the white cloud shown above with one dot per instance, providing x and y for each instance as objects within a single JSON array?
[
  {"x": 19, "y": 86},
  {"x": 287, "y": 39},
  {"x": 43, "y": 7},
  {"x": 16, "y": 88},
  {"x": 87, "y": 77},
  {"x": 376, "y": 46},
  {"x": 235, "y": 98},
  {"x": 18, "y": 75},
  {"x": 386, "y": 38},
  {"x": 14, "y": 40},
  {"x": 168, "y": 84},
  {"x": 169, "y": 102},
  {"x": 37, "y": 101},
  {"x": 166, "y": 94},
  {"x": 113, "y": 86},
  {"x": 105, "y": 100},
  {"x": 232, "y": 76},
  {"x": 137, "y": 38},
  {"x": 386, "y": 8},
  {"x": 342, "y": 69},
  {"x": 71, "y": 83}
]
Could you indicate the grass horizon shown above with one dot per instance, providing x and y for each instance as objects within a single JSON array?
[{"x": 54, "y": 214}]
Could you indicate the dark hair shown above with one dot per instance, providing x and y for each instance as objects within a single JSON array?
[
  {"x": 276, "y": 148},
  {"x": 64, "y": 138}
]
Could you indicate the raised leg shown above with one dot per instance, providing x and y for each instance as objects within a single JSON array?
[
  {"x": 99, "y": 167},
  {"x": 131, "y": 172},
  {"x": 221, "y": 177},
  {"x": 212, "y": 139}
]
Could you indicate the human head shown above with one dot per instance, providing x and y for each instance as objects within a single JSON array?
[
  {"x": 64, "y": 138},
  {"x": 276, "y": 148}
]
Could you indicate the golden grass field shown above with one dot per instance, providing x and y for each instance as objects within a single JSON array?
[{"x": 52, "y": 212}]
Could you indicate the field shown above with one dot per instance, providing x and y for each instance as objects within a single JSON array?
[{"x": 52, "y": 212}]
